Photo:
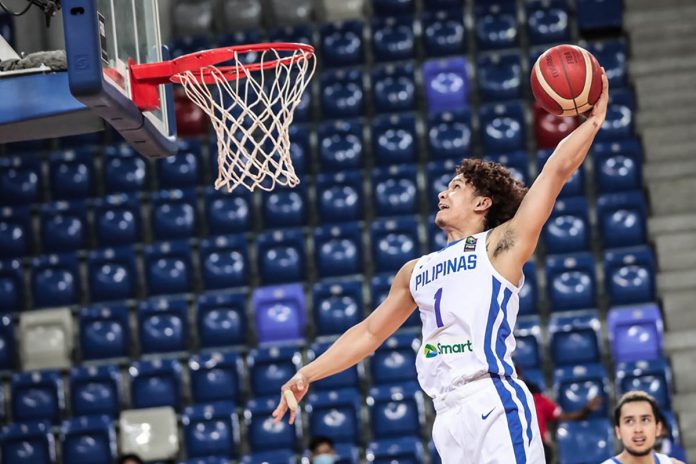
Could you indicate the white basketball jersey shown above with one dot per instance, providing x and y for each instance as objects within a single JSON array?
[
  {"x": 659, "y": 459},
  {"x": 468, "y": 312}
]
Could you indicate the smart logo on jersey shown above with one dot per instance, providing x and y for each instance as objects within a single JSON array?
[{"x": 430, "y": 351}]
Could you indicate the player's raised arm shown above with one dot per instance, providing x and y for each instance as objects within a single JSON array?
[{"x": 355, "y": 344}]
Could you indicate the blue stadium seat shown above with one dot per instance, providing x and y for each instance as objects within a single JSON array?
[
  {"x": 630, "y": 275},
  {"x": 596, "y": 15},
  {"x": 395, "y": 190},
  {"x": 335, "y": 414},
  {"x": 568, "y": 228},
  {"x": 263, "y": 435},
  {"x": 446, "y": 84},
  {"x": 284, "y": 207},
  {"x": 63, "y": 226},
  {"x": 216, "y": 377},
  {"x": 527, "y": 354},
  {"x": 155, "y": 383},
  {"x": 516, "y": 162},
  {"x": 394, "y": 362},
  {"x": 124, "y": 170},
  {"x": 340, "y": 197},
  {"x": 342, "y": 44},
  {"x": 112, "y": 274},
  {"x": 32, "y": 442},
  {"x": 338, "y": 249},
  {"x": 37, "y": 396},
  {"x": 338, "y": 305},
  {"x": 502, "y": 127},
  {"x": 500, "y": 76},
  {"x": 7, "y": 345},
  {"x": 266, "y": 457},
  {"x": 211, "y": 430},
  {"x": 394, "y": 139},
  {"x": 622, "y": 219},
  {"x": 104, "y": 332},
  {"x": 20, "y": 180},
  {"x": 444, "y": 32},
  {"x": 496, "y": 25},
  {"x": 584, "y": 442},
  {"x": 548, "y": 21},
  {"x": 117, "y": 220},
  {"x": 224, "y": 262},
  {"x": 449, "y": 134},
  {"x": 298, "y": 34},
  {"x": 533, "y": 376},
  {"x": 71, "y": 174},
  {"x": 208, "y": 460},
  {"x": 183, "y": 170},
  {"x": 349, "y": 378},
  {"x": 16, "y": 235},
  {"x": 55, "y": 280},
  {"x": 394, "y": 242},
  {"x": 347, "y": 453},
  {"x": 620, "y": 119},
  {"x": 437, "y": 239},
  {"x": 163, "y": 325},
  {"x": 173, "y": 214},
  {"x": 189, "y": 44},
  {"x": 438, "y": 176},
  {"x": 574, "y": 386},
  {"x": 653, "y": 377},
  {"x": 342, "y": 93},
  {"x": 270, "y": 367},
  {"x": 393, "y": 7},
  {"x": 379, "y": 287},
  {"x": 396, "y": 411},
  {"x": 635, "y": 333},
  {"x": 393, "y": 38},
  {"x": 281, "y": 256},
  {"x": 618, "y": 166},
  {"x": 530, "y": 290},
  {"x": 88, "y": 440},
  {"x": 432, "y": 451},
  {"x": 341, "y": 145},
  {"x": 571, "y": 281},
  {"x": 575, "y": 338},
  {"x": 95, "y": 391},
  {"x": 613, "y": 57},
  {"x": 393, "y": 88},
  {"x": 168, "y": 268},
  {"x": 279, "y": 312},
  {"x": 404, "y": 450},
  {"x": 228, "y": 213},
  {"x": 221, "y": 319}
]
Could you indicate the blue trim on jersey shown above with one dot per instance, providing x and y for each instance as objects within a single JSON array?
[
  {"x": 513, "y": 420},
  {"x": 450, "y": 244},
  {"x": 616, "y": 460},
  {"x": 492, "y": 314},
  {"x": 525, "y": 405},
  {"x": 503, "y": 334}
]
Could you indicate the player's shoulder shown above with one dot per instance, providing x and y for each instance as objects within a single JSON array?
[
  {"x": 662, "y": 458},
  {"x": 610, "y": 461}
]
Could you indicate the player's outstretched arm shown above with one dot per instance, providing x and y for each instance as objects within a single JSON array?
[{"x": 354, "y": 345}]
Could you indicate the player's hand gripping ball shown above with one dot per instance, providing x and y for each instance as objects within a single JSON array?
[{"x": 566, "y": 80}]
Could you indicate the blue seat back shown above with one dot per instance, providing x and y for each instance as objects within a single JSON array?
[
  {"x": 71, "y": 174},
  {"x": 265, "y": 435},
  {"x": 338, "y": 249},
  {"x": 279, "y": 312},
  {"x": 393, "y": 38},
  {"x": 338, "y": 305},
  {"x": 341, "y": 145},
  {"x": 395, "y": 190},
  {"x": 7, "y": 343},
  {"x": 168, "y": 268},
  {"x": 342, "y": 93},
  {"x": 653, "y": 377},
  {"x": 155, "y": 383},
  {"x": 335, "y": 414},
  {"x": 635, "y": 332},
  {"x": 211, "y": 430},
  {"x": 281, "y": 256},
  {"x": 495, "y": 25},
  {"x": 104, "y": 331},
  {"x": 342, "y": 43},
  {"x": 395, "y": 361},
  {"x": 394, "y": 242},
  {"x": 112, "y": 274},
  {"x": 527, "y": 352},
  {"x": 88, "y": 439},
  {"x": 33, "y": 442},
  {"x": 630, "y": 275},
  {"x": 183, "y": 170},
  {"x": 449, "y": 134},
  {"x": 15, "y": 232},
  {"x": 228, "y": 213},
  {"x": 224, "y": 262},
  {"x": 446, "y": 84},
  {"x": 20, "y": 180},
  {"x": 444, "y": 32},
  {"x": 585, "y": 441},
  {"x": 95, "y": 391},
  {"x": 270, "y": 367},
  {"x": 174, "y": 214},
  {"x": 622, "y": 219},
  {"x": 500, "y": 76},
  {"x": 574, "y": 386},
  {"x": 163, "y": 325},
  {"x": 502, "y": 127},
  {"x": 221, "y": 319},
  {"x": 575, "y": 338},
  {"x": 37, "y": 396},
  {"x": 571, "y": 281},
  {"x": 124, "y": 170},
  {"x": 393, "y": 88},
  {"x": 405, "y": 450},
  {"x": 547, "y": 21},
  {"x": 215, "y": 377},
  {"x": 394, "y": 139},
  {"x": 340, "y": 197},
  {"x": 396, "y": 411},
  {"x": 117, "y": 220},
  {"x": 55, "y": 280}
]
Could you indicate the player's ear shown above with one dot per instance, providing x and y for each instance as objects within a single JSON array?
[
  {"x": 483, "y": 203},
  {"x": 616, "y": 432}
]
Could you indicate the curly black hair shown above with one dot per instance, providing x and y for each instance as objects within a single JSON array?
[{"x": 495, "y": 181}]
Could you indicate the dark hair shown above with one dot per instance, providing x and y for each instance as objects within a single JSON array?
[
  {"x": 319, "y": 440},
  {"x": 495, "y": 181},
  {"x": 634, "y": 397},
  {"x": 134, "y": 457}
]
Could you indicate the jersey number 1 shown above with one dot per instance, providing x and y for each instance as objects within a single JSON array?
[{"x": 438, "y": 315}]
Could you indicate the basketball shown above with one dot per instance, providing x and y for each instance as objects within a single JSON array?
[{"x": 566, "y": 80}]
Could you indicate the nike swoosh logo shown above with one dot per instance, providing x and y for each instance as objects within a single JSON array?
[{"x": 485, "y": 416}]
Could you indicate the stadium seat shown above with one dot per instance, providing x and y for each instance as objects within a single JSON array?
[
  {"x": 242, "y": 14},
  {"x": 404, "y": 450},
  {"x": 11, "y": 285},
  {"x": 173, "y": 214},
  {"x": 548, "y": 22},
  {"x": 263, "y": 434},
  {"x": 293, "y": 12},
  {"x": 341, "y": 145},
  {"x": 575, "y": 338},
  {"x": 502, "y": 127},
  {"x": 532, "y": 376},
  {"x": 622, "y": 219},
  {"x": 444, "y": 32},
  {"x": 71, "y": 174},
  {"x": 216, "y": 377},
  {"x": 394, "y": 242},
  {"x": 586, "y": 441},
  {"x": 527, "y": 354},
  {"x": 224, "y": 262},
  {"x": 620, "y": 119},
  {"x": 550, "y": 129},
  {"x": 568, "y": 228},
  {"x": 183, "y": 170},
  {"x": 393, "y": 38},
  {"x": 20, "y": 180},
  {"x": 446, "y": 84},
  {"x": 395, "y": 190},
  {"x": 596, "y": 15},
  {"x": 265, "y": 457},
  {"x": 393, "y": 7},
  {"x": 335, "y": 414},
  {"x": 190, "y": 119},
  {"x": 437, "y": 239},
  {"x": 516, "y": 161},
  {"x": 155, "y": 384},
  {"x": 211, "y": 430},
  {"x": 191, "y": 18},
  {"x": 192, "y": 43},
  {"x": 394, "y": 362},
  {"x": 396, "y": 411},
  {"x": 630, "y": 275},
  {"x": 613, "y": 56},
  {"x": 37, "y": 396},
  {"x": 55, "y": 280},
  {"x": 270, "y": 367},
  {"x": 499, "y": 76},
  {"x": 394, "y": 139},
  {"x": 207, "y": 460},
  {"x": 379, "y": 288},
  {"x": 163, "y": 325},
  {"x": 123, "y": 170},
  {"x": 338, "y": 305},
  {"x": 347, "y": 379},
  {"x": 32, "y": 442},
  {"x": 117, "y": 220},
  {"x": 302, "y": 33},
  {"x": 574, "y": 386},
  {"x": 46, "y": 339},
  {"x": 8, "y": 351},
  {"x": 151, "y": 433},
  {"x": 281, "y": 256},
  {"x": 529, "y": 291},
  {"x": 104, "y": 332},
  {"x": 95, "y": 391},
  {"x": 342, "y": 93},
  {"x": 449, "y": 134},
  {"x": 112, "y": 274},
  {"x": 432, "y": 451},
  {"x": 653, "y": 377},
  {"x": 496, "y": 25},
  {"x": 228, "y": 213},
  {"x": 284, "y": 207},
  {"x": 571, "y": 281},
  {"x": 63, "y": 226},
  {"x": 618, "y": 166},
  {"x": 168, "y": 268},
  {"x": 221, "y": 319},
  {"x": 393, "y": 88},
  {"x": 16, "y": 234},
  {"x": 279, "y": 312},
  {"x": 88, "y": 440},
  {"x": 438, "y": 176},
  {"x": 635, "y": 333},
  {"x": 338, "y": 249},
  {"x": 342, "y": 44},
  {"x": 340, "y": 197}
]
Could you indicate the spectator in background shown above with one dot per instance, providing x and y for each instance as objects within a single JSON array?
[
  {"x": 322, "y": 450},
  {"x": 130, "y": 459}
]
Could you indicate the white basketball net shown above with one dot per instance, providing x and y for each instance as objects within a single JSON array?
[{"x": 251, "y": 116}]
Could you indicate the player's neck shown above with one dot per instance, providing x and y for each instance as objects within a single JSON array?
[
  {"x": 627, "y": 458},
  {"x": 460, "y": 233}
]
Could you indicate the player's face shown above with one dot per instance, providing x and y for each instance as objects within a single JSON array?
[
  {"x": 637, "y": 429},
  {"x": 456, "y": 204}
]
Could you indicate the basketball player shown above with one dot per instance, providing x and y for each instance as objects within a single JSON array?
[
  {"x": 468, "y": 297},
  {"x": 637, "y": 424}
]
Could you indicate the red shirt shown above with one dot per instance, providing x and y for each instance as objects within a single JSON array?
[{"x": 546, "y": 411}]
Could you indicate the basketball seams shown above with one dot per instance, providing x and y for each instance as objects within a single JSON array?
[
  {"x": 562, "y": 101},
  {"x": 565, "y": 74},
  {"x": 585, "y": 94}
]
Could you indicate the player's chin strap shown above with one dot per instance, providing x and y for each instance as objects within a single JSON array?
[{"x": 49, "y": 7}]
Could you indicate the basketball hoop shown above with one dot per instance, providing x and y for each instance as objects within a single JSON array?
[{"x": 251, "y": 106}]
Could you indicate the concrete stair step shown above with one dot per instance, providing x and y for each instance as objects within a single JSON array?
[
  {"x": 676, "y": 281},
  {"x": 671, "y": 142},
  {"x": 669, "y": 170},
  {"x": 677, "y": 114},
  {"x": 658, "y": 225},
  {"x": 676, "y": 252},
  {"x": 673, "y": 196},
  {"x": 651, "y": 14},
  {"x": 662, "y": 65},
  {"x": 664, "y": 46},
  {"x": 666, "y": 92},
  {"x": 684, "y": 367},
  {"x": 679, "y": 310},
  {"x": 687, "y": 427}
]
